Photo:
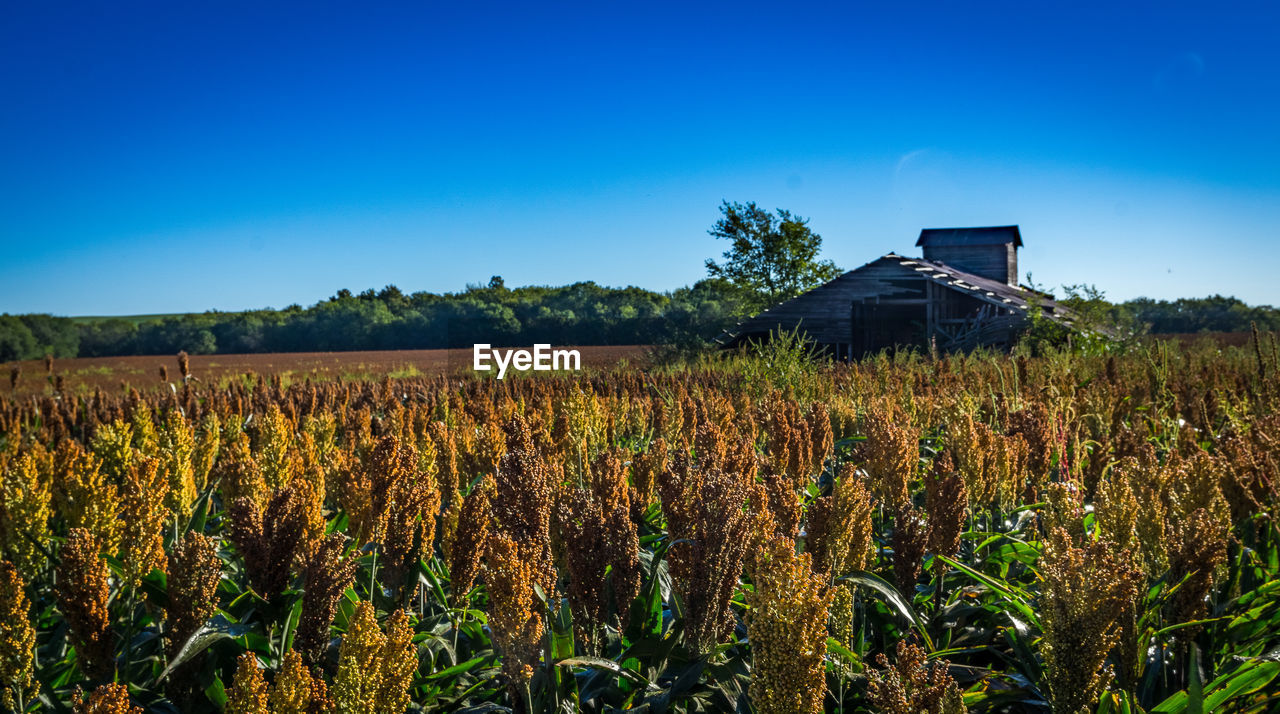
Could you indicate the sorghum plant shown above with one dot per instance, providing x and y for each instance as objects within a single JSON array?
[
  {"x": 787, "y": 626},
  {"x": 514, "y": 614},
  {"x": 83, "y": 590},
  {"x": 85, "y": 497},
  {"x": 25, "y": 496},
  {"x": 269, "y": 541},
  {"x": 840, "y": 527},
  {"x": 913, "y": 685},
  {"x": 946, "y": 502},
  {"x": 707, "y": 518},
  {"x": 326, "y": 575},
  {"x": 375, "y": 669},
  {"x": 1085, "y": 590},
  {"x": 522, "y": 502},
  {"x": 296, "y": 691},
  {"x": 144, "y": 517},
  {"x": 248, "y": 691},
  {"x": 891, "y": 454},
  {"x": 466, "y": 548},
  {"x": 110, "y": 698},
  {"x": 909, "y": 541},
  {"x": 17, "y": 641},
  {"x": 194, "y": 572}
]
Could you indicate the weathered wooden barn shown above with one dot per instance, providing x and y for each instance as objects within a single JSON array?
[{"x": 962, "y": 294}]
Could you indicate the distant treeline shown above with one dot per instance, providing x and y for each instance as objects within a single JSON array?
[
  {"x": 1211, "y": 314},
  {"x": 578, "y": 314}
]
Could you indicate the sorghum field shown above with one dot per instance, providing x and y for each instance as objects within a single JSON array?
[{"x": 1062, "y": 533}]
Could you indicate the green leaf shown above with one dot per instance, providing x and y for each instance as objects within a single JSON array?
[
  {"x": 1192, "y": 623},
  {"x": 461, "y": 668},
  {"x": 1019, "y": 638},
  {"x": 216, "y": 629},
  {"x": 1247, "y": 679},
  {"x": 891, "y": 596},
  {"x": 1009, "y": 594},
  {"x": 155, "y": 585},
  {"x": 1115, "y": 703},
  {"x": 437, "y": 589},
  {"x": 610, "y": 665},
  {"x": 290, "y": 627},
  {"x": 1195, "y": 688},
  {"x": 1244, "y": 680},
  {"x": 217, "y": 693},
  {"x": 562, "y": 632},
  {"x": 834, "y": 647},
  {"x": 200, "y": 513}
]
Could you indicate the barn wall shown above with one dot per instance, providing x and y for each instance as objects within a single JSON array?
[
  {"x": 825, "y": 312},
  {"x": 998, "y": 262}
]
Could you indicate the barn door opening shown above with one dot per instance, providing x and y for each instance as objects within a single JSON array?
[
  {"x": 858, "y": 330},
  {"x": 879, "y": 324}
]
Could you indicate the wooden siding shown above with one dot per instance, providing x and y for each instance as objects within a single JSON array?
[
  {"x": 997, "y": 262},
  {"x": 824, "y": 313}
]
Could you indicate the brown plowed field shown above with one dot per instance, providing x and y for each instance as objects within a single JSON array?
[{"x": 83, "y": 375}]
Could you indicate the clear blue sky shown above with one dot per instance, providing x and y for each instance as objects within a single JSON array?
[{"x": 178, "y": 156}]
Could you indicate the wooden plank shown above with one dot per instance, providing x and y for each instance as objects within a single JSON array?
[{"x": 929, "y": 312}]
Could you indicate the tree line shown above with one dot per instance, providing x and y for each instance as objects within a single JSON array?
[{"x": 580, "y": 314}]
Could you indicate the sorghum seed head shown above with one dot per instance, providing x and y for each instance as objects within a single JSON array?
[
  {"x": 83, "y": 592},
  {"x": 17, "y": 639},
  {"x": 248, "y": 691}
]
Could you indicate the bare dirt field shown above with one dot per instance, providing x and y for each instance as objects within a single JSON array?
[{"x": 83, "y": 375}]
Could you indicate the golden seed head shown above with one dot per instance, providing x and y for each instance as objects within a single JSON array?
[
  {"x": 375, "y": 669},
  {"x": 914, "y": 685},
  {"x": 1084, "y": 591},
  {"x": 514, "y": 614},
  {"x": 82, "y": 591},
  {"x": 144, "y": 517},
  {"x": 25, "y": 508},
  {"x": 891, "y": 455},
  {"x": 248, "y": 691},
  {"x": 17, "y": 640},
  {"x": 840, "y": 528},
  {"x": 787, "y": 627},
  {"x": 194, "y": 573},
  {"x": 112, "y": 698}
]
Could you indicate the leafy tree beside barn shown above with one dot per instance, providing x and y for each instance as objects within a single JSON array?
[{"x": 772, "y": 256}]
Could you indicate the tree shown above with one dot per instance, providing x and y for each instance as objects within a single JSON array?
[
  {"x": 772, "y": 257},
  {"x": 16, "y": 340}
]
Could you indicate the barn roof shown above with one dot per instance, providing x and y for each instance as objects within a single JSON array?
[
  {"x": 983, "y": 235},
  {"x": 985, "y": 289}
]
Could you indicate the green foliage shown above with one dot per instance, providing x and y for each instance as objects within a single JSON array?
[
  {"x": 1210, "y": 314},
  {"x": 34, "y": 336},
  {"x": 16, "y": 340},
  {"x": 1098, "y": 326},
  {"x": 578, "y": 314},
  {"x": 786, "y": 360},
  {"x": 771, "y": 257}
]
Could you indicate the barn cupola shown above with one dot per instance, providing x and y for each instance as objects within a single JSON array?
[{"x": 990, "y": 252}]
